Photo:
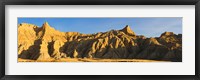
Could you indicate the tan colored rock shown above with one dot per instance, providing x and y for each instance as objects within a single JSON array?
[
  {"x": 75, "y": 54},
  {"x": 42, "y": 43},
  {"x": 127, "y": 30},
  {"x": 26, "y": 36},
  {"x": 43, "y": 55}
]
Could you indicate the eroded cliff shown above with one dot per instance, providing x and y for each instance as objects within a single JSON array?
[{"x": 41, "y": 43}]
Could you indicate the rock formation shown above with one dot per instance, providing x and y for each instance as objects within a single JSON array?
[{"x": 42, "y": 43}]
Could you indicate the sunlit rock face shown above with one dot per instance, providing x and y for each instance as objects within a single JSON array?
[{"x": 42, "y": 43}]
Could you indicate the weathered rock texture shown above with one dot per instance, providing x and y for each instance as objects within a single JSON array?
[{"x": 41, "y": 43}]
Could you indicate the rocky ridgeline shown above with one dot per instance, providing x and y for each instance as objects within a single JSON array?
[{"x": 42, "y": 43}]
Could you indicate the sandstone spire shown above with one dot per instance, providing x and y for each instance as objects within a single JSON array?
[
  {"x": 127, "y": 30},
  {"x": 47, "y": 29},
  {"x": 46, "y": 26}
]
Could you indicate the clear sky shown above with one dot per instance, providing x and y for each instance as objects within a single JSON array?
[{"x": 150, "y": 27}]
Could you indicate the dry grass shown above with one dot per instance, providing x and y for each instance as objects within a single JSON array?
[{"x": 88, "y": 60}]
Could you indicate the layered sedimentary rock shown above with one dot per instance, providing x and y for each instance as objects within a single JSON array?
[{"x": 41, "y": 43}]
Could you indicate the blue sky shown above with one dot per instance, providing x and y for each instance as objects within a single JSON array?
[{"x": 150, "y": 27}]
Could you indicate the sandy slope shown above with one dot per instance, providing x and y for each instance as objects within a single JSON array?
[{"x": 88, "y": 60}]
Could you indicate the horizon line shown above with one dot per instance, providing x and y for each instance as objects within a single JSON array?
[{"x": 95, "y": 32}]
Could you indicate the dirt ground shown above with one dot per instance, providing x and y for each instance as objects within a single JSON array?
[{"x": 87, "y": 60}]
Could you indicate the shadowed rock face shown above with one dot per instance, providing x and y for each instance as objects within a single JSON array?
[{"x": 41, "y": 43}]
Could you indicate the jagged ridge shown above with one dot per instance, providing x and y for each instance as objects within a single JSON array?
[{"x": 40, "y": 43}]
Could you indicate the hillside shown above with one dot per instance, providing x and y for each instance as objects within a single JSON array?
[{"x": 43, "y": 43}]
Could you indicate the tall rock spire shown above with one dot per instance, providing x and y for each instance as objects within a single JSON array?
[
  {"x": 46, "y": 25},
  {"x": 47, "y": 32},
  {"x": 127, "y": 30}
]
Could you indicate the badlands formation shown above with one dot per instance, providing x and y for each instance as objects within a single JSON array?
[{"x": 45, "y": 43}]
